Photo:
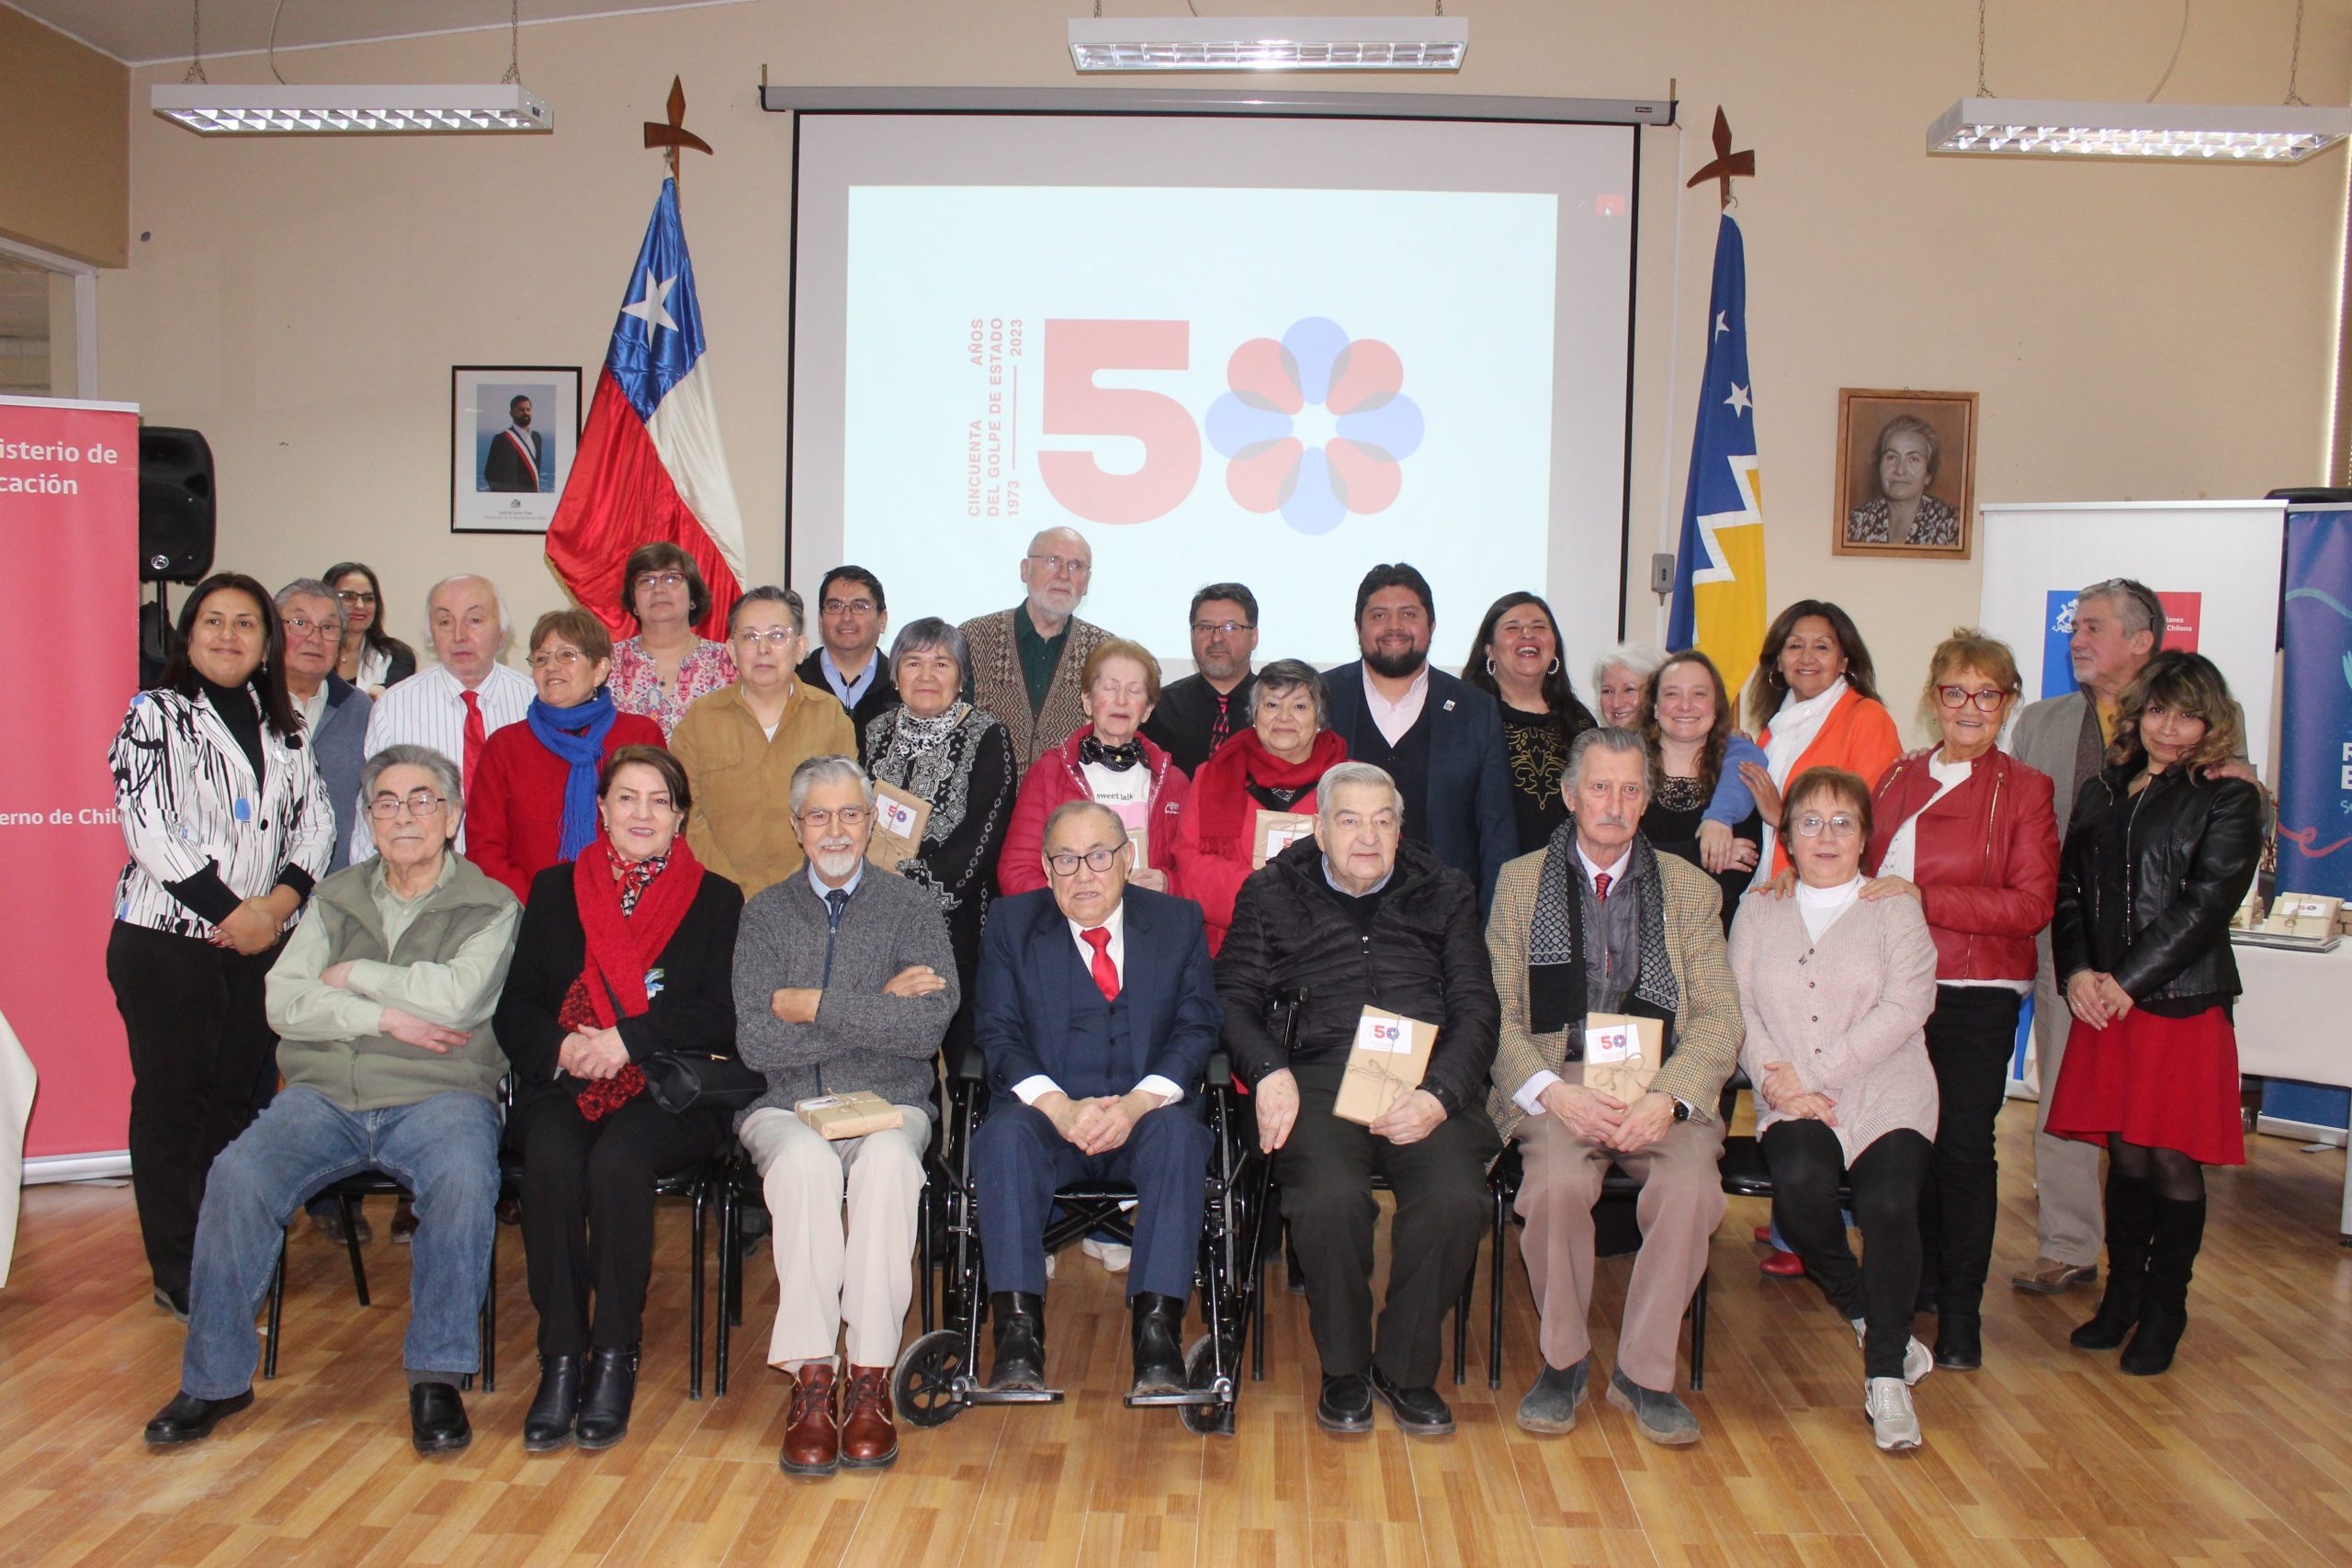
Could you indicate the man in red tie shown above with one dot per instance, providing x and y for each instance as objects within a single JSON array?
[
  {"x": 456, "y": 702},
  {"x": 1095, "y": 1011}
]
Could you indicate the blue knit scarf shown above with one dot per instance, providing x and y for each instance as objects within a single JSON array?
[{"x": 561, "y": 731}]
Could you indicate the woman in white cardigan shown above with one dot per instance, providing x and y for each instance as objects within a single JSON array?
[{"x": 1837, "y": 987}]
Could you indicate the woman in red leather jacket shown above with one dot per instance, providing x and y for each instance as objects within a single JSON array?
[{"x": 1969, "y": 831}]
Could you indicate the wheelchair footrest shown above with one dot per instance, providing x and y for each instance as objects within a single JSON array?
[
  {"x": 982, "y": 1395},
  {"x": 1206, "y": 1396}
]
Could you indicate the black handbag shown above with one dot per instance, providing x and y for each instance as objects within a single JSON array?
[{"x": 681, "y": 1081}]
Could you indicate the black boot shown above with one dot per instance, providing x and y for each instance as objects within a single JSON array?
[
  {"x": 549, "y": 1423},
  {"x": 1960, "y": 1340},
  {"x": 1159, "y": 1343},
  {"x": 607, "y": 1390},
  {"x": 2130, "y": 1216},
  {"x": 2164, "y": 1311},
  {"x": 1020, "y": 1331}
]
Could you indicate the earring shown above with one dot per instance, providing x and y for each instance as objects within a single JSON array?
[
  {"x": 1555, "y": 666},
  {"x": 1491, "y": 664}
]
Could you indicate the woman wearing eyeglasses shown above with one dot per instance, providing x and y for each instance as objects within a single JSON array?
[
  {"x": 1970, "y": 833},
  {"x": 1836, "y": 990},
  {"x": 367, "y": 658},
  {"x": 1106, "y": 762},
  {"x": 534, "y": 801},
  {"x": 741, "y": 743},
  {"x": 666, "y": 666}
]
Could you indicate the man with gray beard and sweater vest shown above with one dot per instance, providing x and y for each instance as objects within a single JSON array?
[{"x": 844, "y": 980}]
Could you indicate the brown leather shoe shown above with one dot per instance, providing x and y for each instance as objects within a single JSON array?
[
  {"x": 2049, "y": 1276},
  {"x": 869, "y": 1438},
  {"x": 812, "y": 1444}
]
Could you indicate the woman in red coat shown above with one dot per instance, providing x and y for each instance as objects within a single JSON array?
[
  {"x": 1969, "y": 831},
  {"x": 1273, "y": 765},
  {"x": 1106, "y": 762},
  {"x": 533, "y": 802}
]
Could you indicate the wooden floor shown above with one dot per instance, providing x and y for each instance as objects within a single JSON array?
[{"x": 2242, "y": 1455}]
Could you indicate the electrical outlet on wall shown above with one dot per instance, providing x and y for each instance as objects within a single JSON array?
[{"x": 1662, "y": 574}]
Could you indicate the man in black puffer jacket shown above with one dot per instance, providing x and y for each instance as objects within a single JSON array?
[{"x": 1354, "y": 918}]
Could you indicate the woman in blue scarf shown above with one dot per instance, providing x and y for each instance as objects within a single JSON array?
[{"x": 533, "y": 801}]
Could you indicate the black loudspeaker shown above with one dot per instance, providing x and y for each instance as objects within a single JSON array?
[{"x": 176, "y": 505}]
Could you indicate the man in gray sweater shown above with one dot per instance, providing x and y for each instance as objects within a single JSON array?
[{"x": 843, "y": 981}]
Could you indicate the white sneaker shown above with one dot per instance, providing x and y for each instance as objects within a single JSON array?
[
  {"x": 1894, "y": 1423},
  {"x": 1917, "y": 1360},
  {"x": 1110, "y": 1254}
]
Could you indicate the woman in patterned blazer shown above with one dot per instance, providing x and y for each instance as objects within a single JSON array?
[{"x": 229, "y": 825}]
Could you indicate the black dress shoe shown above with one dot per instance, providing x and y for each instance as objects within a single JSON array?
[
  {"x": 607, "y": 1390},
  {"x": 1158, "y": 1342},
  {"x": 436, "y": 1419},
  {"x": 173, "y": 1301},
  {"x": 1418, "y": 1411},
  {"x": 1020, "y": 1331},
  {"x": 549, "y": 1423},
  {"x": 187, "y": 1419},
  {"x": 1346, "y": 1405},
  {"x": 1960, "y": 1343}
]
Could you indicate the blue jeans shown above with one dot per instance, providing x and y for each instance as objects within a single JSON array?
[{"x": 444, "y": 1149}]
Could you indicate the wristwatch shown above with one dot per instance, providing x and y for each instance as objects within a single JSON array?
[{"x": 1682, "y": 1110}]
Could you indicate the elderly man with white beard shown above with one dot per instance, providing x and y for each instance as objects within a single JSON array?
[{"x": 843, "y": 981}]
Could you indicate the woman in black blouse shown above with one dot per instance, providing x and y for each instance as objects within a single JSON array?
[
  {"x": 1515, "y": 659},
  {"x": 1688, "y": 725}
]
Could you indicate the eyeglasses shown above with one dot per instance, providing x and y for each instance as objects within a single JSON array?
[
  {"x": 1209, "y": 628},
  {"x": 774, "y": 637},
  {"x": 847, "y": 606},
  {"x": 556, "y": 659},
  {"x": 847, "y": 816},
  {"x": 301, "y": 627},
  {"x": 1989, "y": 700},
  {"x": 348, "y": 597},
  {"x": 1812, "y": 825},
  {"x": 1097, "y": 861},
  {"x": 660, "y": 579},
  {"x": 1056, "y": 565},
  {"x": 421, "y": 804}
]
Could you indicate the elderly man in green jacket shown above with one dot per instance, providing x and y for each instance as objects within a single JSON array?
[{"x": 381, "y": 1001}]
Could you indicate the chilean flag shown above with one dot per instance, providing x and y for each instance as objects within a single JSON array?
[{"x": 650, "y": 465}]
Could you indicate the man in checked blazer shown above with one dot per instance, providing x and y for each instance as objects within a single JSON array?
[
  {"x": 1599, "y": 923},
  {"x": 1025, "y": 660}
]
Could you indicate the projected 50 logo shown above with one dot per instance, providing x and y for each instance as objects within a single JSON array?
[{"x": 1316, "y": 425}]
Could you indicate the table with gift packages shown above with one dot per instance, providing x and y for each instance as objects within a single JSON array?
[{"x": 2289, "y": 1022}]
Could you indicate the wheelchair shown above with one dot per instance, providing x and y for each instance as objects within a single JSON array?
[{"x": 941, "y": 1374}]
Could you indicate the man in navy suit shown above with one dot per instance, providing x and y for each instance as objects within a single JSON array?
[
  {"x": 1096, "y": 1011},
  {"x": 1441, "y": 739}
]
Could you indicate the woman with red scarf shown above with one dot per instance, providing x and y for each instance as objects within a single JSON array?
[
  {"x": 625, "y": 952},
  {"x": 1273, "y": 765}
]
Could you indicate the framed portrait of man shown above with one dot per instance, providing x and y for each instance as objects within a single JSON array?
[
  {"x": 1906, "y": 474},
  {"x": 514, "y": 432}
]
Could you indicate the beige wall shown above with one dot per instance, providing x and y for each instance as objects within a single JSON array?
[
  {"x": 2134, "y": 333},
  {"x": 64, "y": 143}
]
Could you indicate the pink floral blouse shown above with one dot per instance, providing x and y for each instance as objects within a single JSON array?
[{"x": 637, "y": 689}]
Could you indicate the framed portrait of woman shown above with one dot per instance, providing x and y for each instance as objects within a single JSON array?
[{"x": 1906, "y": 474}]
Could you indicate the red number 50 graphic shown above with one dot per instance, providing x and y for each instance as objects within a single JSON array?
[{"x": 1078, "y": 351}]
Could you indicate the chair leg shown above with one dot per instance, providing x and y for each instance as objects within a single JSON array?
[
  {"x": 727, "y": 1243},
  {"x": 351, "y": 1241},
  {"x": 1461, "y": 1327},
  {"x": 694, "y": 1313},
  {"x": 926, "y": 1216},
  {"x": 276, "y": 1308},
  {"x": 1699, "y": 1336},
  {"x": 1495, "y": 1295},
  {"x": 489, "y": 1316}
]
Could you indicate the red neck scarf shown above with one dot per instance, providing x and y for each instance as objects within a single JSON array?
[
  {"x": 622, "y": 949},
  {"x": 1226, "y": 809}
]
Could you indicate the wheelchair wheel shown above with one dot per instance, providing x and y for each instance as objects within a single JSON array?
[
  {"x": 1200, "y": 1371},
  {"x": 924, "y": 1385}
]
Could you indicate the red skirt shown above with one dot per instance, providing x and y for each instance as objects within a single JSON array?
[{"x": 2163, "y": 1083}]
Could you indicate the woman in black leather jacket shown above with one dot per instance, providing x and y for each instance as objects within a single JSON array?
[{"x": 2159, "y": 855}]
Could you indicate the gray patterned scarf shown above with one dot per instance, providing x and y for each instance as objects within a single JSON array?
[{"x": 1556, "y": 972}]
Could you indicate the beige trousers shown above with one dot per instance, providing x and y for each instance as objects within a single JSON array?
[
  {"x": 833, "y": 1270},
  {"x": 1681, "y": 1200},
  {"x": 2071, "y": 1206}
]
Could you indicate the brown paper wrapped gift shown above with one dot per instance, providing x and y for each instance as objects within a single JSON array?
[
  {"x": 1621, "y": 1054},
  {"x": 899, "y": 822},
  {"x": 1385, "y": 1064},
  {"x": 850, "y": 1116},
  {"x": 1276, "y": 832}
]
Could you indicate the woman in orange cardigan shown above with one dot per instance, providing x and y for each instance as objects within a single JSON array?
[{"x": 1813, "y": 703}]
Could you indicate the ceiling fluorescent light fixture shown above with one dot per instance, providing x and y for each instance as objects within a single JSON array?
[
  {"x": 2045, "y": 128},
  {"x": 214, "y": 111},
  {"x": 1268, "y": 43}
]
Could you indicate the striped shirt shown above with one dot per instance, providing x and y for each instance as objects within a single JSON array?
[
  {"x": 187, "y": 799},
  {"x": 429, "y": 709}
]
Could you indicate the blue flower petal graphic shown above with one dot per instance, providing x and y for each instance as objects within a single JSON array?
[
  {"x": 1395, "y": 427},
  {"x": 1312, "y": 506},
  {"x": 1315, "y": 345},
  {"x": 1234, "y": 425}
]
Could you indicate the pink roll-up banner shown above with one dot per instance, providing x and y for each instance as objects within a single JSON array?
[{"x": 69, "y": 653}]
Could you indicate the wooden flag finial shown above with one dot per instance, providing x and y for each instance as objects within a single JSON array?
[
  {"x": 1728, "y": 163},
  {"x": 673, "y": 135}
]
